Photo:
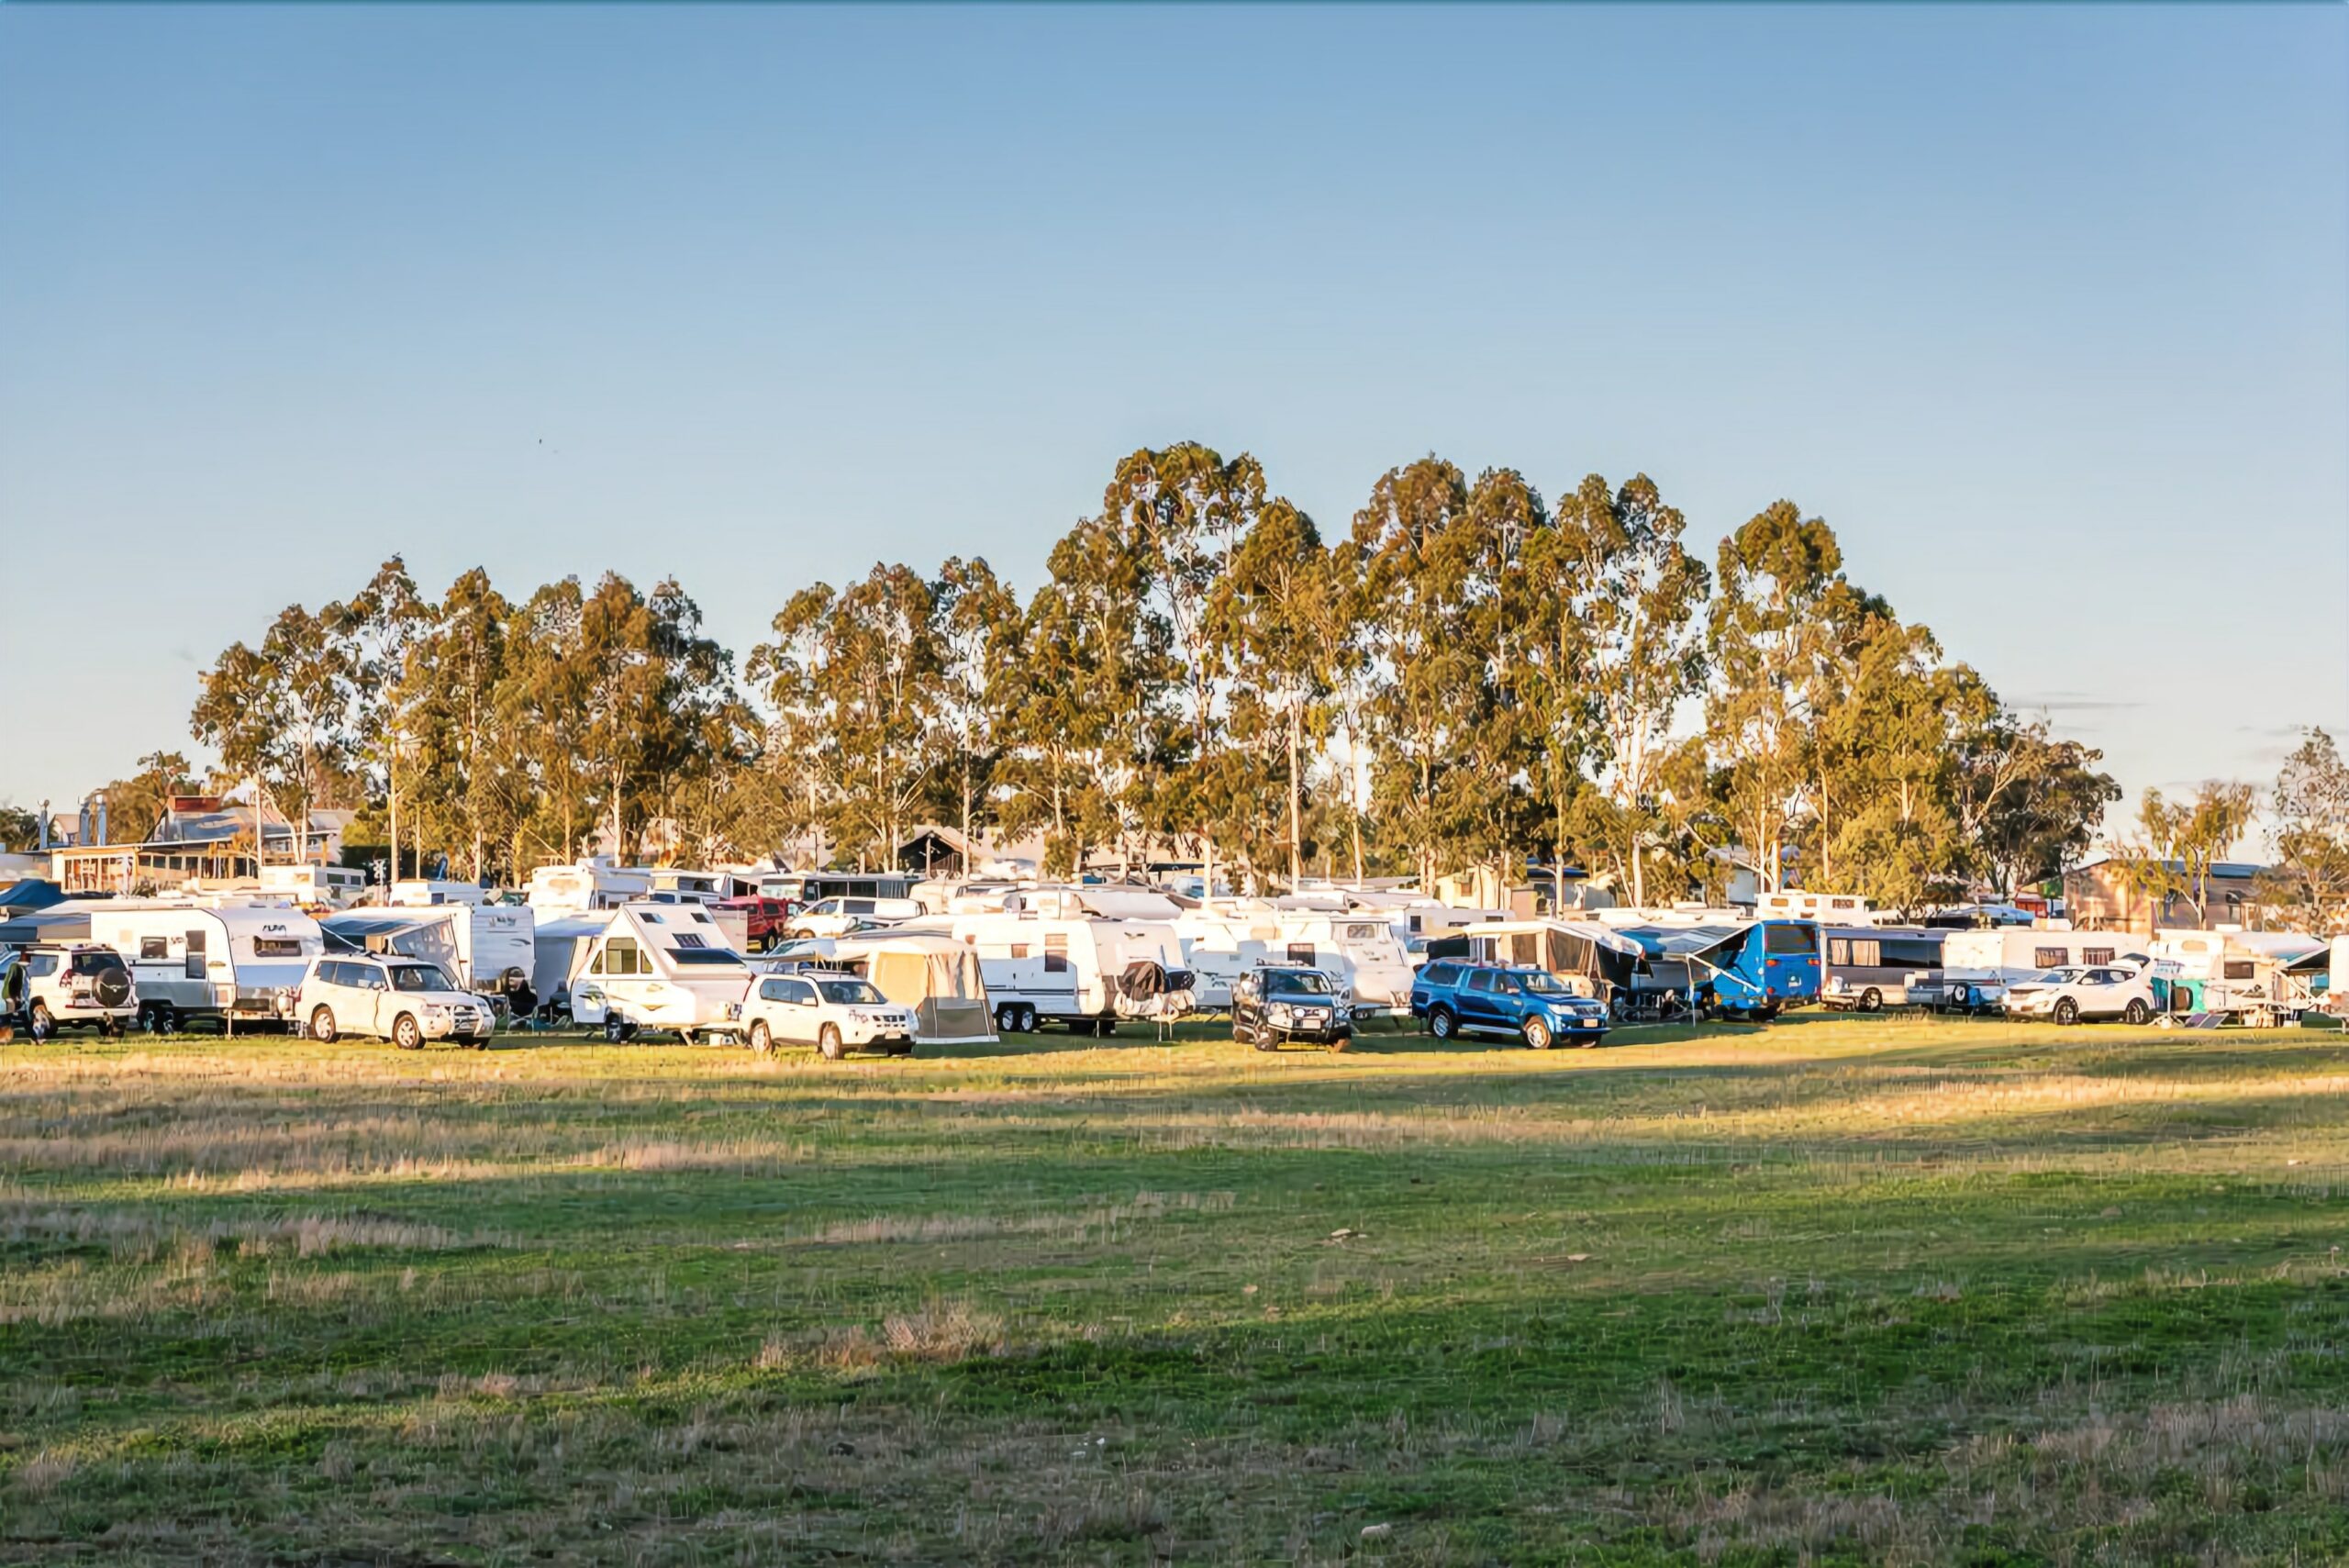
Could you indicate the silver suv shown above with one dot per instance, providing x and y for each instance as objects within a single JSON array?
[{"x": 55, "y": 985}]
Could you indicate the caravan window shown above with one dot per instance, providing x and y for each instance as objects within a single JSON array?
[
  {"x": 1300, "y": 952},
  {"x": 1055, "y": 955},
  {"x": 2050, "y": 958},
  {"x": 276, "y": 947},
  {"x": 619, "y": 957},
  {"x": 2095, "y": 955},
  {"x": 2236, "y": 969},
  {"x": 690, "y": 940},
  {"x": 151, "y": 948},
  {"x": 1366, "y": 931}
]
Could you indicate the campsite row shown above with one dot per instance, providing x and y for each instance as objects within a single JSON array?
[{"x": 631, "y": 952}]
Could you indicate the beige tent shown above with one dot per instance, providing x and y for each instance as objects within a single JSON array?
[{"x": 937, "y": 976}]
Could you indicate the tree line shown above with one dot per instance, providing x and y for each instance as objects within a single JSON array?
[{"x": 1466, "y": 674}]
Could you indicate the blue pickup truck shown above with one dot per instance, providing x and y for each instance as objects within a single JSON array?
[{"x": 1531, "y": 1004}]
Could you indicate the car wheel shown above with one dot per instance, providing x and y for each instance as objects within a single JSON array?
[
  {"x": 1871, "y": 1000},
  {"x": 827, "y": 1043},
  {"x": 2067, "y": 1011},
  {"x": 1442, "y": 1024},
  {"x": 1538, "y": 1036},
  {"x": 762, "y": 1038},
  {"x": 322, "y": 1026},
  {"x": 2136, "y": 1012},
  {"x": 42, "y": 1023},
  {"x": 407, "y": 1033},
  {"x": 614, "y": 1028},
  {"x": 1027, "y": 1024}
]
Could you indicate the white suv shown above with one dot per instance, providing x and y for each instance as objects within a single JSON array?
[
  {"x": 831, "y": 1011},
  {"x": 55, "y": 985},
  {"x": 403, "y": 1000},
  {"x": 2071, "y": 996}
]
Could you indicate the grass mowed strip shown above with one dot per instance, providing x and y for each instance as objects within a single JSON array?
[{"x": 1859, "y": 1290}]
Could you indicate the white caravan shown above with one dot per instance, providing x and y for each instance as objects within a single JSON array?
[
  {"x": 487, "y": 949},
  {"x": 661, "y": 966},
  {"x": 698, "y": 887},
  {"x": 1061, "y": 963},
  {"x": 1826, "y": 908},
  {"x": 337, "y": 887},
  {"x": 1979, "y": 965},
  {"x": 420, "y": 892},
  {"x": 585, "y": 886},
  {"x": 2261, "y": 977},
  {"x": 237, "y": 963},
  {"x": 1225, "y": 939}
]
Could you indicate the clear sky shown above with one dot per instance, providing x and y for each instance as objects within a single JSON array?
[{"x": 2043, "y": 309}]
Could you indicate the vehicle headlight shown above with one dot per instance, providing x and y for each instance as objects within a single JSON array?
[
  {"x": 435, "y": 1010},
  {"x": 1280, "y": 1013}
]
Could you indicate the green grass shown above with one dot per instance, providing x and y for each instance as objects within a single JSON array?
[{"x": 1841, "y": 1290}]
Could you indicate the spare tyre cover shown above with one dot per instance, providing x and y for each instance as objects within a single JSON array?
[{"x": 113, "y": 987}]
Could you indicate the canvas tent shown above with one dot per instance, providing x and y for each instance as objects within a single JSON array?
[{"x": 937, "y": 976}]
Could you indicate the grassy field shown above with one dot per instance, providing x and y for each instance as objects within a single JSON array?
[{"x": 1842, "y": 1290}]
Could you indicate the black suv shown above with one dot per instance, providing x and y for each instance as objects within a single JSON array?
[{"x": 1272, "y": 1006}]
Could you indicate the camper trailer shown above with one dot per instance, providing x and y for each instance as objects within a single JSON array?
[
  {"x": 317, "y": 886},
  {"x": 487, "y": 949},
  {"x": 585, "y": 886},
  {"x": 238, "y": 964},
  {"x": 1979, "y": 965},
  {"x": 1226, "y": 939},
  {"x": 940, "y": 979},
  {"x": 1828, "y": 909},
  {"x": 1061, "y": 961},
  {"x": 417, "y": 893},
  {"x": 662, "y": 967},
  {"x": 1591, "y": 959},
  {"x": 2260, "y": 977}
]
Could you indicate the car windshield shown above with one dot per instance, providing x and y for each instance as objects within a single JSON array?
[
  {"x": 420, "y": 977},
  {"x": 2054, "y": 977},
  {"x": 1295, "y": 982},
  {"x": 1544, "y": 984},
  {"x": 849, "y": 991}
]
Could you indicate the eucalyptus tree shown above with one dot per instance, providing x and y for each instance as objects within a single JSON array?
[
  {"x": 2309, "y": 810},
  {"x": 1632, "y": 629},
  {"x": 280, "y": 715},
  {"x": 1411, "y": 542},
  {"x": 976, "y": 627},
  {"x": 1267, "y": 621}
]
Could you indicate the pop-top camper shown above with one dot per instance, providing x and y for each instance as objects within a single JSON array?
[{"x": 661, "y": 966}]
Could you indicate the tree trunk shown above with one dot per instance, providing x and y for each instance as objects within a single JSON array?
[{"x": 1296, "y": 800}]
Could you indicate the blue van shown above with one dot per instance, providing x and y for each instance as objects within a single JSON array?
[{"x": 1753, "y": 969}]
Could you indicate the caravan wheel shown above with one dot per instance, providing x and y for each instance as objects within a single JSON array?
[
  {"x": 1027, "y": 1024},
  {"x": 614, "y": 1028},
  {"x": 1007, "y": 1019}
]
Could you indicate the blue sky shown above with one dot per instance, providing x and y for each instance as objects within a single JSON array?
[{"x": 2043, "y": 309}]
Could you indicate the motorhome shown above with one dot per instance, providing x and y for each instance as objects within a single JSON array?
[
  {"x": 1742, "y": 969},
  {"x": 332, "y": 887},
  {"x": 941, "y": 980},
  {"x": 1226, "y": 938},
  {"x": 236, "y": 965},
  {"x": 1593, "y": 960},
  {"x": 813, "y": 887},
  {"x": 487, "y": 949},
  {"x": 1058, "y": 960},
  {"x": 1868, "y": 968},
  {"x": 599, "y": 884},
  {"x": 662, "y": 967}
]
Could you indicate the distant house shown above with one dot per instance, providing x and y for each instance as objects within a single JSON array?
[
  {"x": 2098, "y": 897},
  {"x": 199, "y": 836}
]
